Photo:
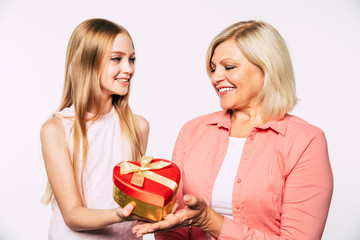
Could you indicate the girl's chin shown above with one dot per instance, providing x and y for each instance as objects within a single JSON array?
[{"x": 122, "y": 91}]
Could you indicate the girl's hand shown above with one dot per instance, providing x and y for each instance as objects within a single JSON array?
[
  {"x": 195, "y": 213},
  {"x": 125, "y": 214}
]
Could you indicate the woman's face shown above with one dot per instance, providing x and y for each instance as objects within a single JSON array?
[
  {"x": 119, "y": 69},
  {"x": 236, "y": 80}
]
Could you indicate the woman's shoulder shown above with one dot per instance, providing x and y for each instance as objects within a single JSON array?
[{"x": 298, "y": 124}]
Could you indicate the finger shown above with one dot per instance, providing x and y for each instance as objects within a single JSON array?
[
  {"x": 167, "y": 224},
  {"x": 176, "y": 205},
  {"x": 193, "y": 202},
  {"x": 151, "y": 228},
  {"x": 126, "y": 211},
  {"x": 141, "y": 229},
  {"x": 138, "y": 225},
  {"x": 169, "y": 215}
]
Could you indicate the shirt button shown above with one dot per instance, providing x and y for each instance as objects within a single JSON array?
[
  {"x": 237, "y": 206},
  {"x": 245, "y": 157},
  {"x": 238, "y": 180}
]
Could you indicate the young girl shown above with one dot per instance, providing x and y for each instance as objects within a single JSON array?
[{"x": 92, "y": 132}]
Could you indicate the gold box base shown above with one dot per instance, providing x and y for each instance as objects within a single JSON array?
[{"x": 143, "y": 209}]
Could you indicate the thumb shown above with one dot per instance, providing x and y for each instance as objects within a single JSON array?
[
  {"x": 127, "y": 210},
  {"x": 192, "y": 201}
]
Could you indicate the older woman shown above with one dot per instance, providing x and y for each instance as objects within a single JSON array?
[{"x": 251, "y": 171}]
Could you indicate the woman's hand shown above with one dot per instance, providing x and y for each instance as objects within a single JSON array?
[{"x": 195, "y": 213}]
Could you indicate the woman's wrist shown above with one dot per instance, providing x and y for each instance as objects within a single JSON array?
[{"x": 213, "y": 222}]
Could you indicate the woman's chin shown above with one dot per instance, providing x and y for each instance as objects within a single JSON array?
[{"x": 225, "y": 106}]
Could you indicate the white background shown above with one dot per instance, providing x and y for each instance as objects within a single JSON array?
[{"x": 171, "y": 86}]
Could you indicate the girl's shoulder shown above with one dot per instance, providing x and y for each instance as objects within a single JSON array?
[
  {"x": 56, "y": 125},
  {"x": 143, "y": 123},
  {"x": 68, "y": 112},
  {"x": 52, "y": 128}
]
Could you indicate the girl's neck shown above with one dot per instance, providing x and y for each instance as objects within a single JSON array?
[{"x": 106, "y": 107}]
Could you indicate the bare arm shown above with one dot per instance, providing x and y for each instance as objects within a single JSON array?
[
  {"x": 62, "y": 180},
  {"x": 144, "y": 131}
]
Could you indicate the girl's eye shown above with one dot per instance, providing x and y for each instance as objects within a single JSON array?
[
  {"x": 116, "y": 59},
  {"x": 132, "y": 60}
]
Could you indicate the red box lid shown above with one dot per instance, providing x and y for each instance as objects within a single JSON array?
[{"x": 151, "y": 192}]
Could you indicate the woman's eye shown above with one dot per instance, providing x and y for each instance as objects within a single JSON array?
[
  {"x": 132, "y": 60},
  {"x": 116, "y": 59},
  {"x": 229, "y": 67}
]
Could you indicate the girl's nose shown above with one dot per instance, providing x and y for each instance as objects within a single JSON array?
[{"x": 128, "y": 67}]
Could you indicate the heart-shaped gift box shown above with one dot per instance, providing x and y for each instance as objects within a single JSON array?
[{"x": 151, "y": 184}]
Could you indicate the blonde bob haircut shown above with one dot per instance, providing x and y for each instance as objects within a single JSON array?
[
  {"x": 262, "y": 44},
  {"x": 88, "y": 50}
]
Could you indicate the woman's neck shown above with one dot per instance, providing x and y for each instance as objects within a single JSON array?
[{"x": 243, "y": 121}]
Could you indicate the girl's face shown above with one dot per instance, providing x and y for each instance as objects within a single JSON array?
[
  {"x": 119, "y": 69},
  {"x": 236, "y": 80}
]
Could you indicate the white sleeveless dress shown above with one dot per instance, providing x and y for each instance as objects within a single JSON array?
[{"x": 107, "y": 147}]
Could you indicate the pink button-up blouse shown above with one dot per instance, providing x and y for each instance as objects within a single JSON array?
[{"x": 283, "y": 185}]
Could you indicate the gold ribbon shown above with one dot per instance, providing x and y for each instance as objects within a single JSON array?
[{"x": 142, "y": 171}]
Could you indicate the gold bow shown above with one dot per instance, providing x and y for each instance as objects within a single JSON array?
[{"x": 142, "y": 171}]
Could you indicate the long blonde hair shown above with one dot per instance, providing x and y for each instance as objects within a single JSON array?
[
  {"x": 263, "y": 45},
  {"x": 87, "y": 52}
]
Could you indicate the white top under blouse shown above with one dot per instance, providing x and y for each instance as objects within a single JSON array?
[{"x": 221, "y": 200}]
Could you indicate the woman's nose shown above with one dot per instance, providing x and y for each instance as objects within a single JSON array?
[{"x": 217, "y": 76}]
